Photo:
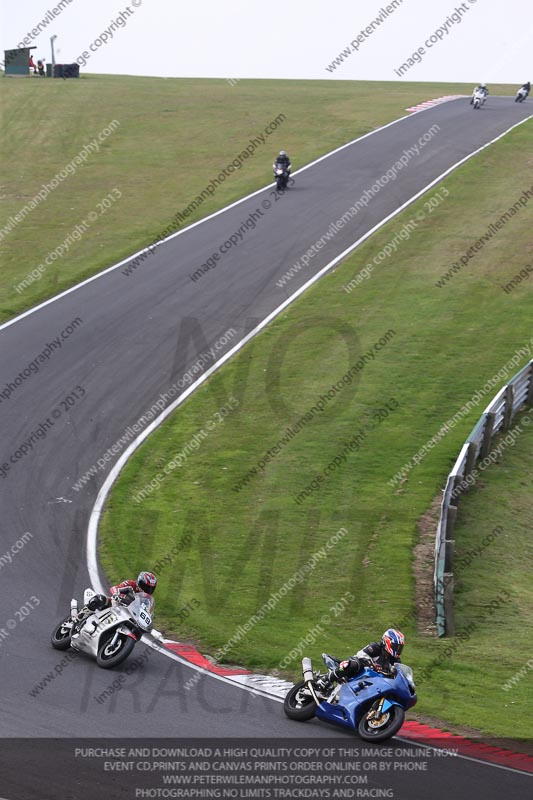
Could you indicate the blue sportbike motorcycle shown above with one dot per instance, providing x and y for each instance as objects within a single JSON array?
[{"x": 372, "y": 704}]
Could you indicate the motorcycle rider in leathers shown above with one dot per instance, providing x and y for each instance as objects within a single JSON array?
[
  {"x": 481, "y": 88},
  {"x": 379, "y": 656},
  {"x": 124, "y": 591}
]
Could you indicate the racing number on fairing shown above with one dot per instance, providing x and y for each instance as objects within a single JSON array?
[{"x": 146, "y": 618}]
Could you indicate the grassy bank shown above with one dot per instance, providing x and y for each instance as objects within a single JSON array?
[
  {"x": 169, "y": 139},
  {"x": 226, "y": 540}
]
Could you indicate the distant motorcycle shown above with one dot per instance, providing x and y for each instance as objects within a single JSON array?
[
  {"x": 521, "y": 95},
  {"x": 479, "y": 99},
  {"x": 108, "y": 635},
  {"x": 371, "y": 704},
  {"x": 281, "y": 175}
]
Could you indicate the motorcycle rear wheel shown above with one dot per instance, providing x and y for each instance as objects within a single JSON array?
[
  {"x": 388, "y": 725},
  {"x": 299, "y": 705},
  {"x": 107, "y": 658},
  {"x": 60, "y": 640}
]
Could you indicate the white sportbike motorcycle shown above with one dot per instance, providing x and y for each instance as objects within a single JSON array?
[
  {"x": 108, "y": 635},
  {"x": 479, "y": 99}
]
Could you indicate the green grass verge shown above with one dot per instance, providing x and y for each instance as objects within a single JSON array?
[
  {"x": 235, "y": 549},
  {"x": 239, "y": 548},
  {"x": 494, "y": 551},
  {"x": 173, "y": 137}
]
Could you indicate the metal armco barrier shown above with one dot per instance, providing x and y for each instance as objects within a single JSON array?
[{"x": 498, "y": 416}]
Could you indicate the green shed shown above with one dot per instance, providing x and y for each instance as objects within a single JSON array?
[{"x": 16, "y": 62}]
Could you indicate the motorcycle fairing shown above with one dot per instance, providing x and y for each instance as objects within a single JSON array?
[{"x": 357, "y": 695}]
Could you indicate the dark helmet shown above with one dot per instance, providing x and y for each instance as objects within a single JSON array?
[
  {"x": 146, "y": 581},
  {"x": 393, "y": 642}
]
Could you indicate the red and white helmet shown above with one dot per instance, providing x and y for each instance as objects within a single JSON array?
[
  {"x": 393, "y": 641},
  {"x": 146, "y": 581}
]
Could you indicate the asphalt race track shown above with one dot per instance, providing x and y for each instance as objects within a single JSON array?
[{"x": 113, "y": 365}]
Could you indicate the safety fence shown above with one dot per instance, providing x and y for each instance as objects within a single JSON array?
[{"x": 498, "y": 416}]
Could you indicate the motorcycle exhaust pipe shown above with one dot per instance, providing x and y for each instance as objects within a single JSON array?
[
  {"x": 74, "y": 609},
  {"x": 307, "y": 669}
]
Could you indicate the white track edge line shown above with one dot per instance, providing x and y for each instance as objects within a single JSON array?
[
  {"x": 92, "y": 563},
  {"x": 198, "y": 222},
  {"x": 225, "y": 679}
]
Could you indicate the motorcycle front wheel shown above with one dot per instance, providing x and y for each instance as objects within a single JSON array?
[
  {"x": 61, "y": 636},
  {"x": 110, "y": 655},
  {"x": 379, "y": 729},
  {"x": 299, "y": 703}
]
